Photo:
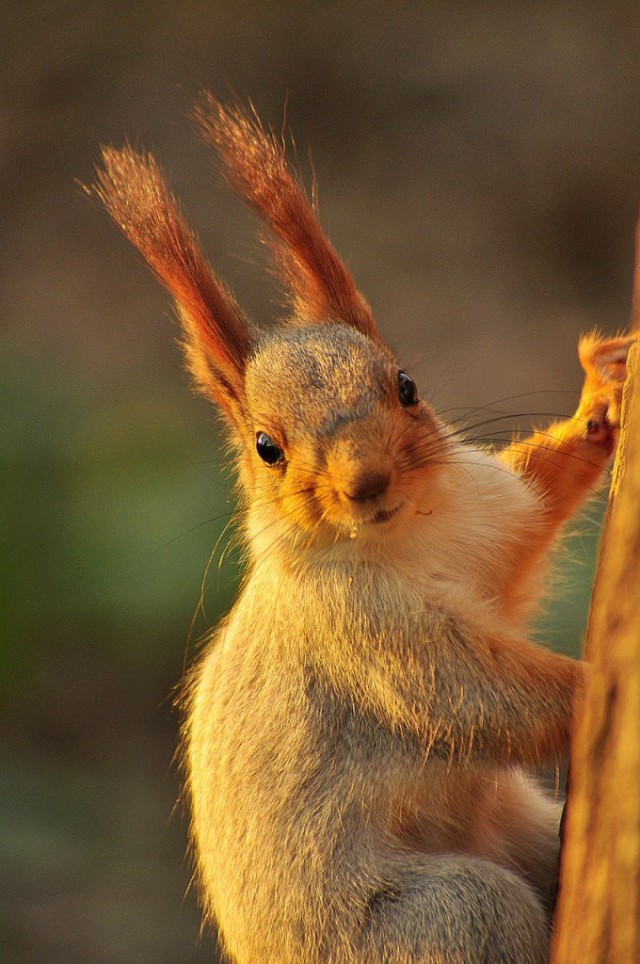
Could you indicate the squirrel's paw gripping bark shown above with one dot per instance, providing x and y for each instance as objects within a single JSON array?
[{"x": 605, "y": 364}]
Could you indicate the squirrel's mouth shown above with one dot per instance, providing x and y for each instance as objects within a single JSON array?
[
  {"x": 384, "y": 515},
  {"x": 359, "y": 527}
]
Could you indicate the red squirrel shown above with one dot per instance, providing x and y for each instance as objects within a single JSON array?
[{"x": 358, "y": 728}]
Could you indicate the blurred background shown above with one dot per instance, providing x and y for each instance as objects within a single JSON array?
[{"x": 478, "y": 167}]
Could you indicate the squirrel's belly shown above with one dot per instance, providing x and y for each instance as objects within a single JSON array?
[
  {"x": 270, "y": 769},
  {"x": 297, "y": 809}
]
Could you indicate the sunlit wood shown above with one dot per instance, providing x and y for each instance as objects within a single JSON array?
[{"x": 598, "y": 918}]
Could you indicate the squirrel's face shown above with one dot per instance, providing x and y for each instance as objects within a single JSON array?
[
  {"x": 336, "y": 442},
  {"x": 339, "y": 442}
]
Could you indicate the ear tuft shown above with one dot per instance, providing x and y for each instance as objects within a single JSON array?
[
  {"x": 254, "y": 161},
  {"x": 218, "y": 337}
]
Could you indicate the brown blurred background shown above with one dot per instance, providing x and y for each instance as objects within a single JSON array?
[{"x": 479, "y": 168}]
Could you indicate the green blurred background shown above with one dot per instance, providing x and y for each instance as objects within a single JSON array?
[{"x": 479, "y": 167}]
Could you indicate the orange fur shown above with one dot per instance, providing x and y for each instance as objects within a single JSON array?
[
  {"x": 357, "y": 729},
  {"x": 565, "y": 462},
  {"x": 217, "y": 334},
  {"x": 321, "y": 286}
]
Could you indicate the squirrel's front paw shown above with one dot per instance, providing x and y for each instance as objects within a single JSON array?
[
  {"x": 605, "y": 364},
  {"x": 606, "y": 358}
]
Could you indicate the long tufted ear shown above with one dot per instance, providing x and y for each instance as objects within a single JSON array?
[
  {"x": 254, "y": 161},
  {"x": 217, "y": 336}
]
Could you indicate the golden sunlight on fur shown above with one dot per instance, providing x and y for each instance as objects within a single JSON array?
[{"x": 357, "y": 730}]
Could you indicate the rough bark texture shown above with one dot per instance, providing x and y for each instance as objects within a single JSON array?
[{"x": 598, "y": 916}]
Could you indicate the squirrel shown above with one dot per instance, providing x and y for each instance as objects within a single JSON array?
[{"x": 359, "y": 729}]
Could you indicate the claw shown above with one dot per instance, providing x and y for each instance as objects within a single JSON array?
[
  {"x": 605, "y": 365},
  {"x": 607, "y": 359}
]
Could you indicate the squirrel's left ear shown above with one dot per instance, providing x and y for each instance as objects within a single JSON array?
[
  {"x": 217, "y": 335},
  {"x": 254, "y": 161}
]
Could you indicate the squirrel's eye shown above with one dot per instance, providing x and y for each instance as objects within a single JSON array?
[
  {"x": 267, "y": 449},
  {"x": 407, "y": 390}
]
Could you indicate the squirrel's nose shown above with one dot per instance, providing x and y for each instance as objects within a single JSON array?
[{"x": 367, "y": 486}]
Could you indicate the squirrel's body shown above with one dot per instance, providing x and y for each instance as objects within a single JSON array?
[
  {"x": 316, "y": 741},
  {"x": 358, "y": 729},
  {"x": 307, "y": 802}
]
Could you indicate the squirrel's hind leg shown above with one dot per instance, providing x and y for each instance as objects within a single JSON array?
[{"x": 455, "y": 910}]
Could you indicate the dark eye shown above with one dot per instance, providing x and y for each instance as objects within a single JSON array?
[
  {"x": 267, "y": 449},
  {"x": 407, "y": 391}
]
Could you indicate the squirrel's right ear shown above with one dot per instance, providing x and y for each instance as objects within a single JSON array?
[
  {"x": 217, "y": 335},
  {"x": 320, "y": 283}
]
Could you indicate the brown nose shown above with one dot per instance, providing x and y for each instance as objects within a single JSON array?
[{"x": 367, "y": 486}]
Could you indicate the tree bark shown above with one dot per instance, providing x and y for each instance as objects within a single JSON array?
[{"x": 598, "y": 912}]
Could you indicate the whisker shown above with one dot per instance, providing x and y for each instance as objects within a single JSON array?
[{"x": 507, "y": 398}]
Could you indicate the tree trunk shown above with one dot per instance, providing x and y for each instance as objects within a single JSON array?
[{"x": 598, "y": 915}]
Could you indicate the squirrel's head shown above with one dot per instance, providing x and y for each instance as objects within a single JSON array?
[
  {"x": 340, "y": 443},
  {"x": 334, "y": 439}
]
